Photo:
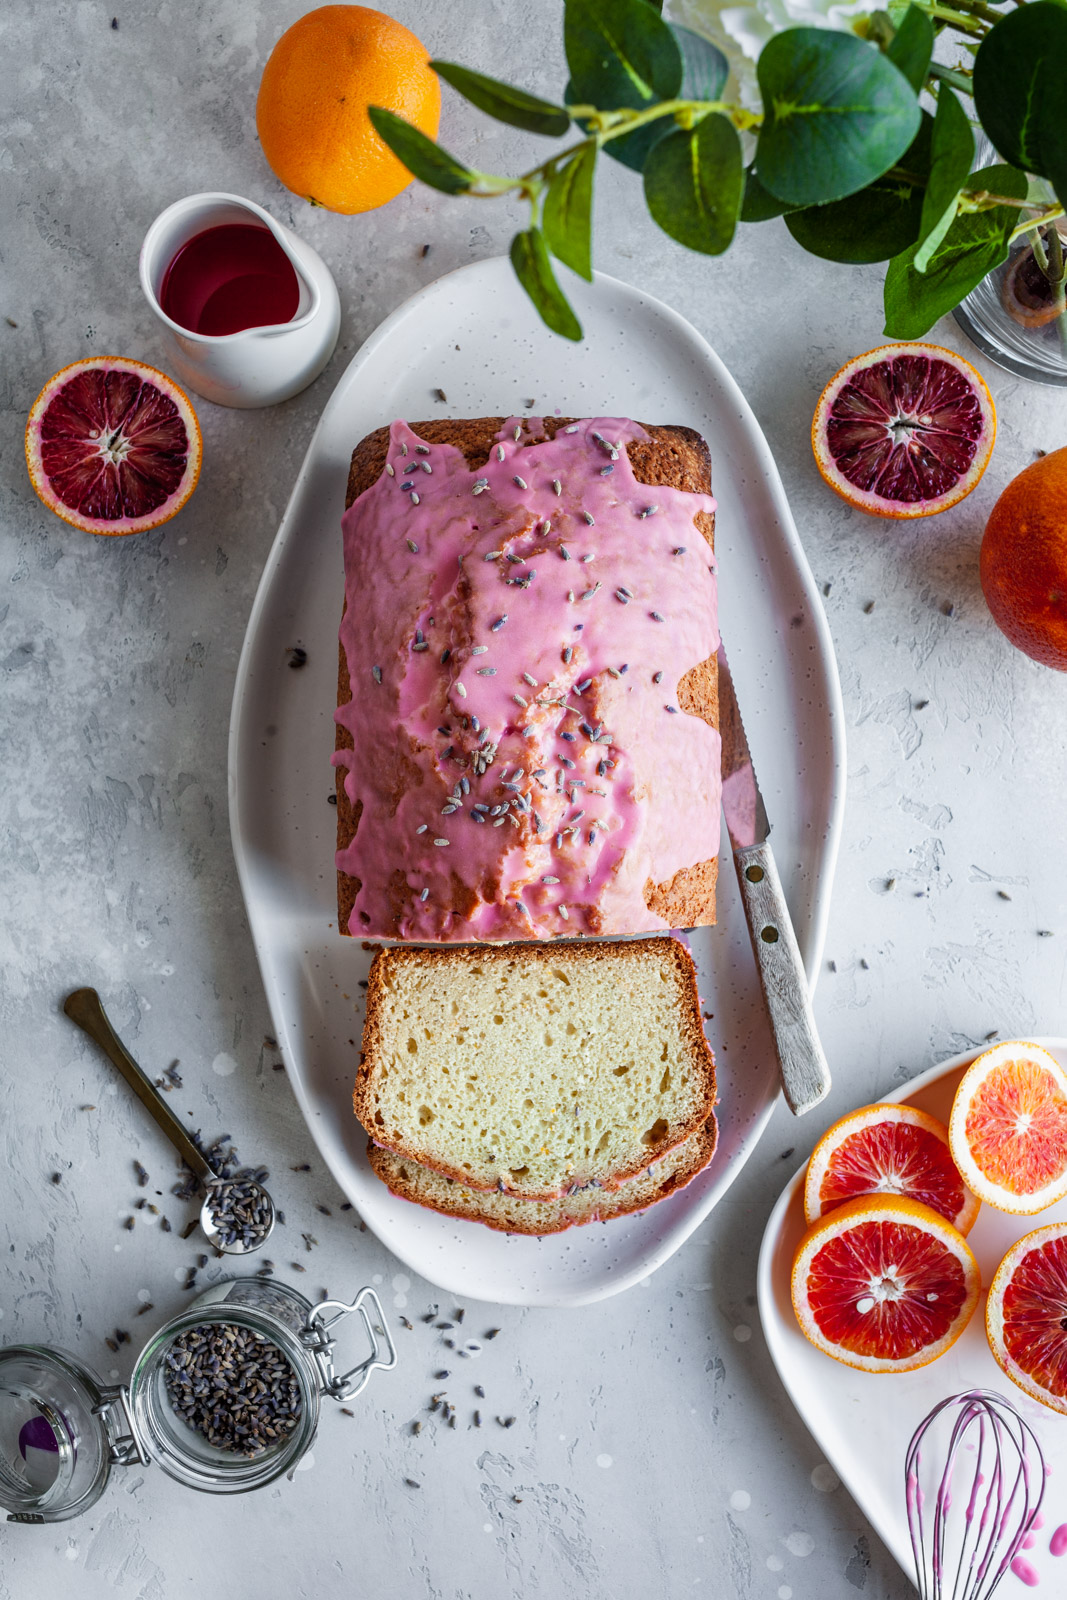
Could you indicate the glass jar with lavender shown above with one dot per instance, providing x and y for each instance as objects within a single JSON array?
[{"x": 225, "y": 1398}]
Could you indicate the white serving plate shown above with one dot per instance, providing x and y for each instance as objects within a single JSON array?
[
  {"x": 474, "y": 335},
  {"x": 863, "y": 1421}
]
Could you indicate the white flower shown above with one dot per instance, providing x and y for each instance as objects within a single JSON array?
[{"x": 741, "y": 31}]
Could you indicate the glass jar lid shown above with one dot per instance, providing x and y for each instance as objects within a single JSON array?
[{"x": 61, "y": 1431}]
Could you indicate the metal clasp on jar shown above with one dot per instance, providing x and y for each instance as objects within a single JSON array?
[
  {"x": 317, "y": 1338},
  {"x": 124, "y": 1447}
]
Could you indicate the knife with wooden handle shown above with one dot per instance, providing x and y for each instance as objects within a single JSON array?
[{"x": 801, "y": 1062}]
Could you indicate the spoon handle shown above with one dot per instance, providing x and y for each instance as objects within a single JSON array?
[{"x": 84, "y": 1008}]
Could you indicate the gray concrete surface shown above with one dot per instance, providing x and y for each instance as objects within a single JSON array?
[{"x": 655, "y": 1452}]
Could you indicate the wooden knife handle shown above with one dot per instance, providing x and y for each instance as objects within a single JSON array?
[{"x": 803, "y": 1067}]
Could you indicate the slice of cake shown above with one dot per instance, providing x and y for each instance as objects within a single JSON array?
[
  {"x": 509, "y": 1214},
  {"x": 527, "y": 741},
  {"x": 535, "y": 1070}
]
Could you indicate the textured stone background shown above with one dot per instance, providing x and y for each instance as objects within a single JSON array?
[{"x": 655, "y": 1451}]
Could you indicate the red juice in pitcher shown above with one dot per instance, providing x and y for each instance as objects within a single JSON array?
[{"x": 230, "y": 277}]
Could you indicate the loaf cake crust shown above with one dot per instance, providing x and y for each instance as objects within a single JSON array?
[
  {"x": 673, "y": 458},
  {"x": 507, "y": 1214},
  {"x": 534, "y": 1069}
]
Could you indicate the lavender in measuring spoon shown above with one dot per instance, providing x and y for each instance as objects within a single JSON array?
[{"x": 240, "y": 1210}]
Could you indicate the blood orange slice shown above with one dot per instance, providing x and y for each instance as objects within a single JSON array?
[
  {"x": 884, "y": 1284},
  {"x": 905, "y": 430},
  {"x": 113, "y": 446},
  {"x": 1008, "y": 1128},
  {"x": 888, "y": 1149},
  {"x": 1026, "y": 1315}
]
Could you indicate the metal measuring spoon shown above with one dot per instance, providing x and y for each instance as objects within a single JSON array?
[{"x": 233, "y": 1200}]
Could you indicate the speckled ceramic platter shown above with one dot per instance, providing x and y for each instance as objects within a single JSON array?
[
  {"x": 863, "y": 1421},
  {"x": 640, "y": 359}
]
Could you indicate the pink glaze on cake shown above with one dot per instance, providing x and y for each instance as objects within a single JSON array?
[{"x": 553, "y": 564}]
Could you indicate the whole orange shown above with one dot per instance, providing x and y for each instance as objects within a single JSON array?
[
  {"x": 311, "y": 112},
  {"x": 1024, "y": 561}
]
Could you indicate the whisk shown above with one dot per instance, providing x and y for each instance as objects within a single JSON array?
[{"x": 966, "y": 1545}]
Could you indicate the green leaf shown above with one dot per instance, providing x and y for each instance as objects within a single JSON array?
[
  {"x": 912, "y": 46},
  {"x": 533, "y": 269},
  {"x": 704, "y": 68},
  {"x": 567, "y": 217},
  {"x": 704, "y": 72},
  {"x": 974, "y": 245},
  {"x": 507, "y": 104},
  {"x": 1020, "y": 90},
  {"x": 693, "y": 184},
  {"x": 759, "y": 204},
  {"x": 952, "y": 153},
  {"x": 878, "y": 222},
  {"x": 424, "y": 159},
  {"x": 620, "y": 54},
  {"x": 837, "y": 114}
]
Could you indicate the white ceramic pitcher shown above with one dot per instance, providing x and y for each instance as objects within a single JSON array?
[{"x": 257, "y": 366}]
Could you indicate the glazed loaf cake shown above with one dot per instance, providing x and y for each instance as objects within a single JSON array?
[
  {"x": 509, "y": 1214},
  {"x": 535, "y": 1070},
  {"x": 527, "y": 715}
]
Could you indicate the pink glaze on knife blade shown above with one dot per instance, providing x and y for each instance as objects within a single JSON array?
[{"x": 549, "y": 605}]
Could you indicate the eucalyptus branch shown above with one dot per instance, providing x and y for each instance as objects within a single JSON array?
[
  {"x": 956, "y": 77},
  {"x": 963, "y": 24},
  {"x": 979, "y": 8},
  {"x": 1049, "y": 214},
  {"x": 851, "y": 186},
  {"x": 608, "y": 125}
]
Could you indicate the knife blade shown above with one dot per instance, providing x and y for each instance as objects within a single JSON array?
[{"x": 801, "y": 1062}]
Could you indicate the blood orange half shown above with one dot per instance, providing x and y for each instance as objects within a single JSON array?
[
  {"x": 905, "y": 430},
  {"x": 884, "y": 1284},
  {"x": 113, "y": 446},
  {"x": 1008, "y": 1128},
  {"x": 1026, "y": 1315},
  {"x": 888, "y": 1149}
]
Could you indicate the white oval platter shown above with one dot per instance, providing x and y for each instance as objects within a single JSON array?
[{"x": 474, "y": 337}]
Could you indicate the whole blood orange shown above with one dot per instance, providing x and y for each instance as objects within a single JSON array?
[
  {"x": 1026, "y": 1315},
  {"x": 888, "y": 1149},
  {"x": 113, "y": 446},
  {"x": 1024, "y": 561},
  {"x": 311, "y": 112},
  {"x": 884, "y": 1283},
  {"x": 905, "y": 430},
  {"x": 1008, "y": 1128}
]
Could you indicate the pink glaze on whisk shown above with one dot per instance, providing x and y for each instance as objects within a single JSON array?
[
  {"x": 1058, "y": 1543},
  {"x": 965, "y": 1556}
]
